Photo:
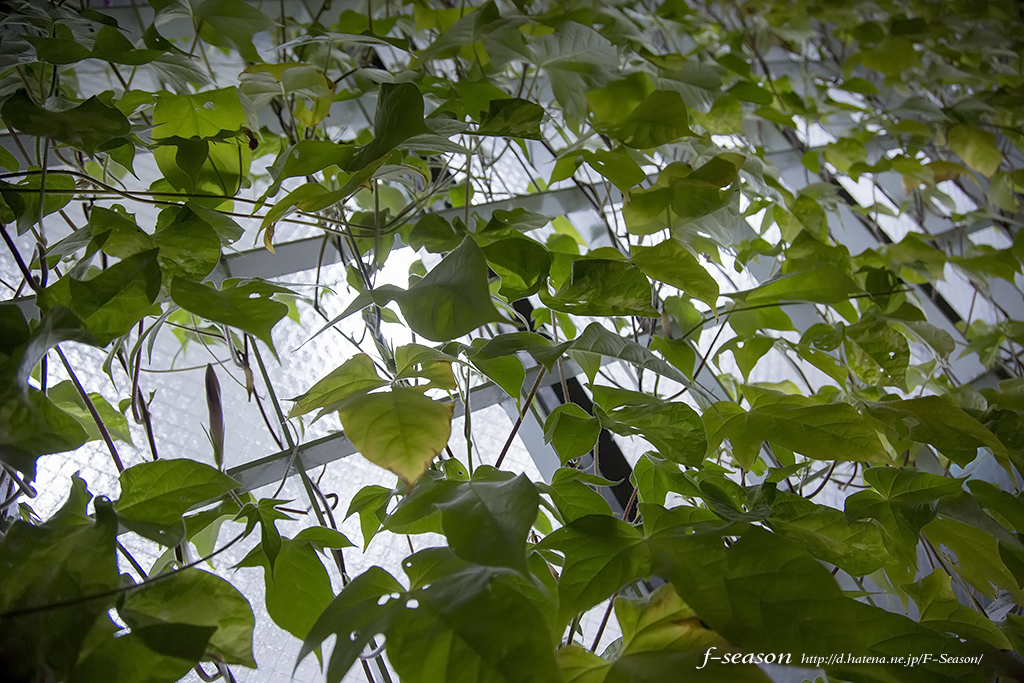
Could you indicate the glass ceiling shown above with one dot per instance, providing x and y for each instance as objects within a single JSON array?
[{"x": 502, "y": 174}]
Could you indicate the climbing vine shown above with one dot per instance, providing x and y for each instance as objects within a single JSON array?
[{"x": 805, "y": 184}]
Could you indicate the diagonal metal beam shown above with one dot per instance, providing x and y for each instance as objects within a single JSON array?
[{"x": 275, "y": 467}]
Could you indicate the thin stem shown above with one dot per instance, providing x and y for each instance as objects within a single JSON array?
[
  {"x": 147, "y": 425},
  {"x": 604, "y": 622},
  {"x": 17, "y": 258},
  {"x": 468, "y": 424},
  {"x": 92, "y": 410},
  {"x": 23, "y": 486},
  {"x": 273, "y": 397},
  {"x": 629, "y": 505},
  {"x": 132, "y": 561},
  {"x": 825, "y": 481},
  {"x": 704, "y": 358},
  {"x": 519, "y": 421}
]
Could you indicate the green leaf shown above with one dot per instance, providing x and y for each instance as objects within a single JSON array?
[
  {"x": 110, "y": 303},
  {"x": 208, "y": 115},
  {"x": 60, "y": 189},
  {"x": 1006, "y": 506},
  {"x": 401, "y": 430},
  {"x": 298, "y": 590},
  {"x": 747, "y": 351},
  {"x": 856, "y": 547},
  {"x": 892, "y": 56},
  {"x": 245, "y": 305},
  {"x": 505, "y": 371},
  {"x": 573, "y": 497},
  {"x": 510, "y": 343},
  {"x": 978, "y": 148},
  {"x": 60, "y": 48},
  {"x": 231, "y": 23},
  {"x": 31, "y": 426},
  {"x": 671, "y": 263},
  {"x": 602, "y": 554},
  {"x": 307, "y": 157},
  {"x": 512, "y": 118},
  {"x": 825, "y": 362},
  {"x": 486, "y": 522},
  {"x": 357, "y": 375},
  {"x": 189, "y": 245},
  {"x": 198, "y": 598},
  {"x": 659, "y": 633},
  {"x": 112, "y": 46},
  {"x": 226, "y": 228},
  {"x": 398, "y": 117},
  {"x": 575, "y": 59},
  {"x": 69, "y": 557},
  {"x": 746, "y": 323},
  {"x": 8, "y": 160},
  {"x": 452, "y": 299},
  {"x": 463, "y": 30},
  {"x": 370, "y": 502},
  {"x": 935, "y": 421},
  {"x": 671, "y": 427},
  {"x": 821, "y": 282},
  {"x": 597, "y": 340},
  {"x": 304, "y": 197},
  {"x": 678, "y": 352},
  {"x": 457, "y": 632},
  {"x": 603, "y": 287},
  {"x": 659, "y": 118},
  {"x": 427, "y": 566},
  {"x": 435, "y": 234},
  {"x": 117, "y": 234},
  {"x": 654, "y": 477},
  {"x": 65, "y": 396},
  {"x": 356, "y": 616},
  {"x": 155, "y": 495},
  {"x": 617, "y": 165},
  {"x": 266, "y": 514},
  {"x": 408, "y": 356},
  {"x": 831, "y": 431},
  {"x": 941, "y": 611},
  {"x": 571, "y": 431},
  {"x": 521, "y": 263},
  {"x": 764, "y": 593},
  {"x": 901, "y": 502},
  {"x": 91, "y": 126},
  {"x": 682, "y": 195},
  {"x": 322, "y": 537},
  {"x": 877, "y": 353},
  {"x": 417, "y": 511},
  {"x": 976, "y": 556},
  {"x": 746, "y": 91},
  {"x": 161, "y": 653}
]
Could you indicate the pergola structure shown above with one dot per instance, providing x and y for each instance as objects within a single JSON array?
[{"x": 834, "y": 142}]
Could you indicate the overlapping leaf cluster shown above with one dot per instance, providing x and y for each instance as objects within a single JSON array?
[{"x": 694, "y": 131}]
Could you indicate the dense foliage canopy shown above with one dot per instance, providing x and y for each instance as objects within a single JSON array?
[{"x": 830, "y": 186}]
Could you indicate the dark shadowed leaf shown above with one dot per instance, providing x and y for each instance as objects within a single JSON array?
[
  {"x": 91, "y": 126},
  {"x": 110, "y": 303},
  {"x": 571, "y": 431},
  {"x": 487, "y": 522},
  {"x": 69, "y": 557},
  {"x": 195, "y": 597}
]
